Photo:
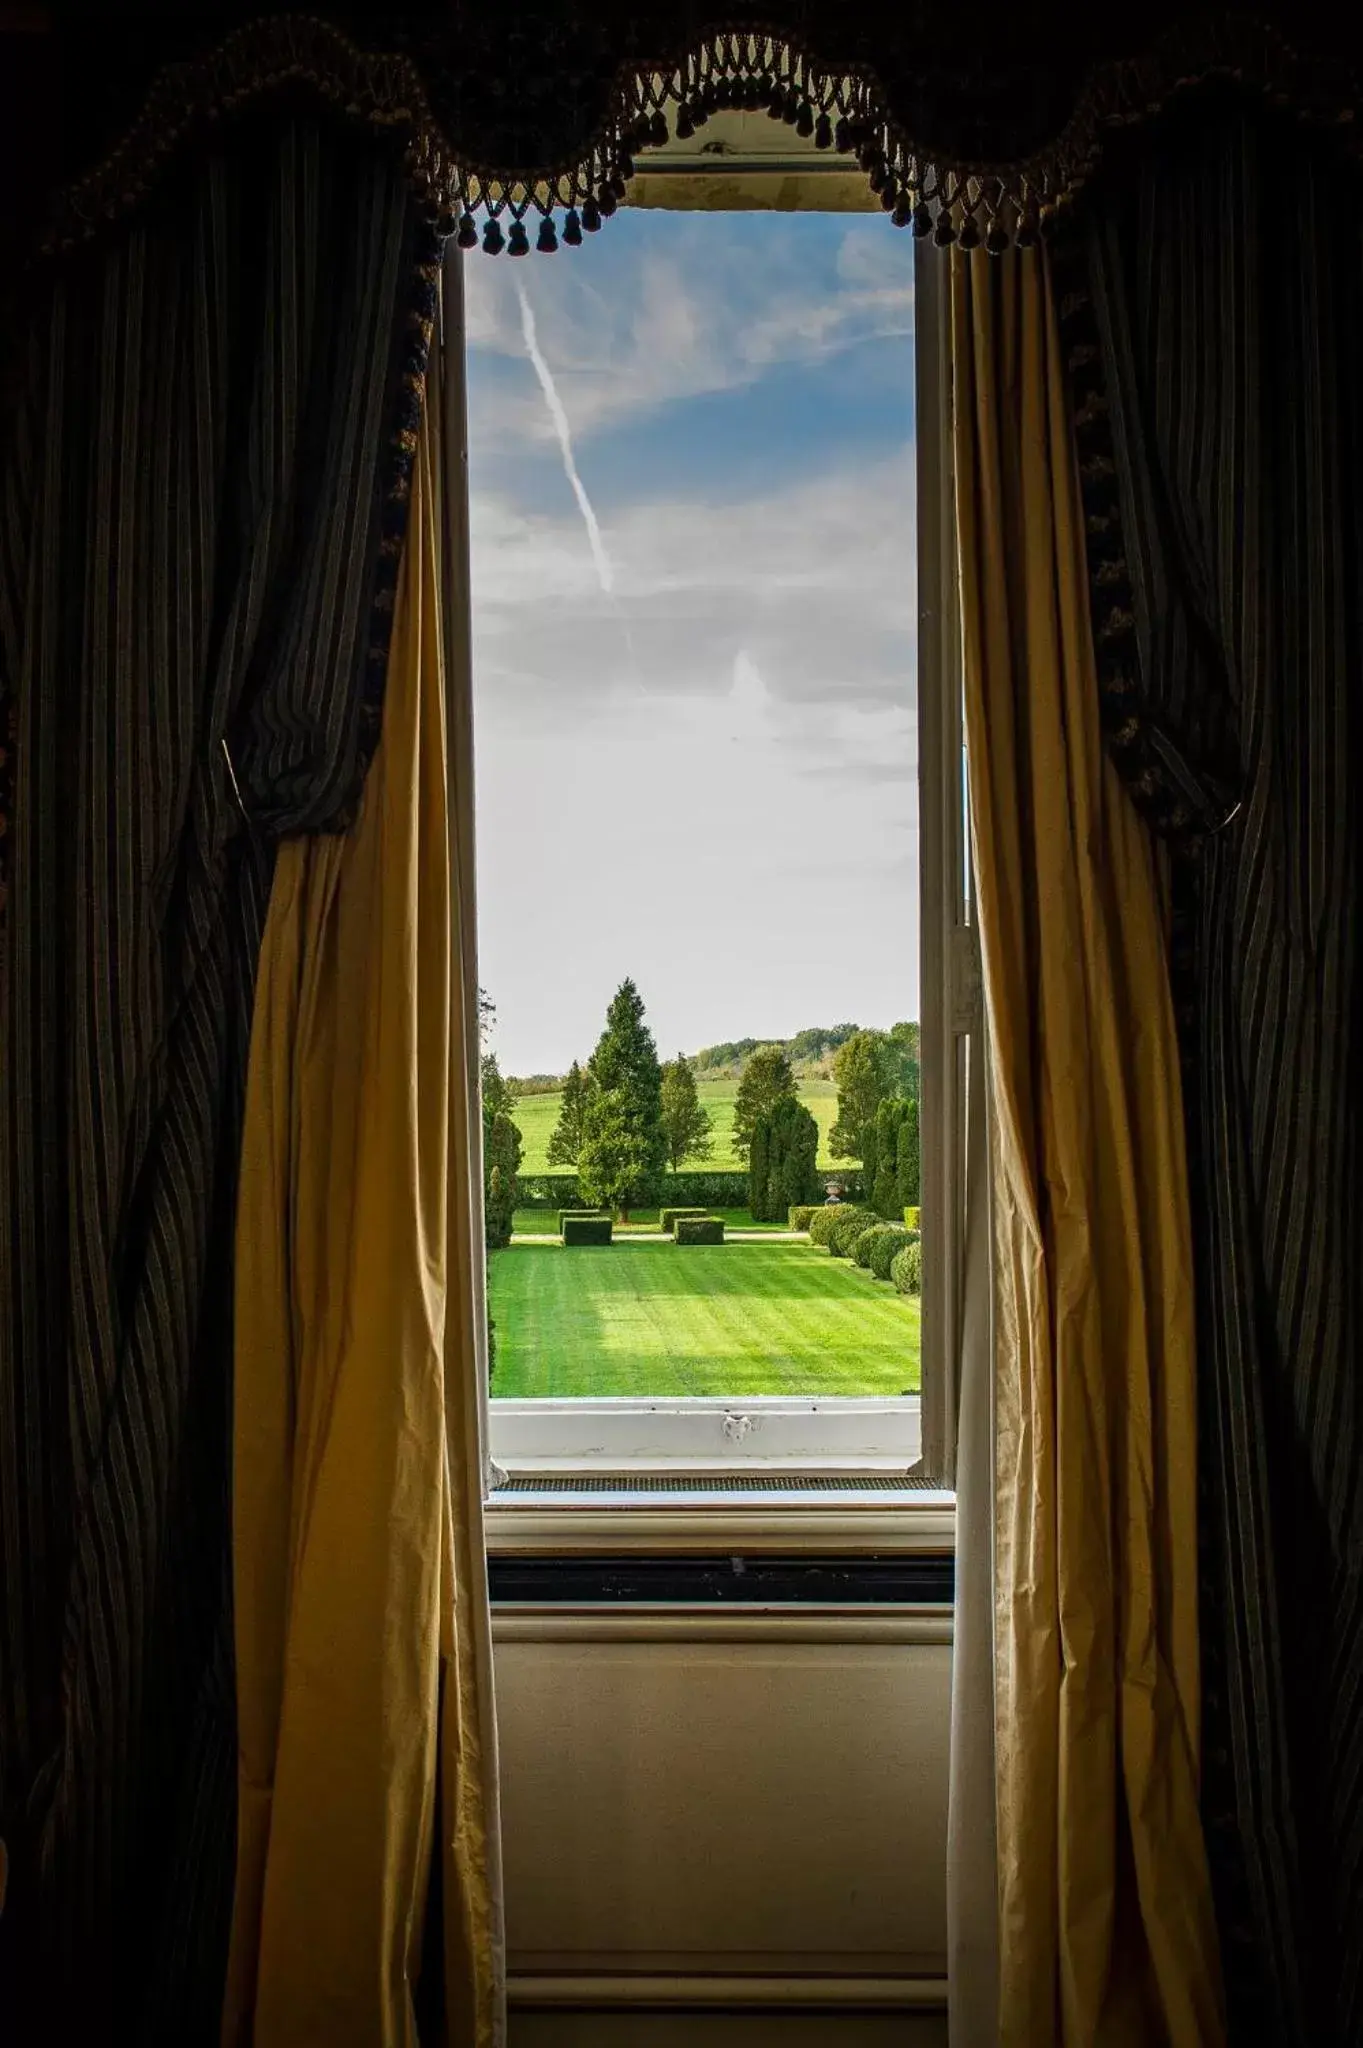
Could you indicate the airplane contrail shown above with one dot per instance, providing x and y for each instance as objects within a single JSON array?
[{"x": 565, "y": 442}]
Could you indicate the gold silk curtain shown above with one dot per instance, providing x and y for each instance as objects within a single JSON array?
[
  {"x": 363, "y": 1651},
  {"x": 1106, "y": 1934}
]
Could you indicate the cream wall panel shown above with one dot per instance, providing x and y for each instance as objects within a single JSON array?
[{"x": 756, "y": 1805}]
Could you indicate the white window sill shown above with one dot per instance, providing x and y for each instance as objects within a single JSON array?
[
  {"x": 751, "y": 1443},
  {"x": 767, "y": 1433}
]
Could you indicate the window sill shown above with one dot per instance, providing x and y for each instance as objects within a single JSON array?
[{"x": 767, "y": 1433}]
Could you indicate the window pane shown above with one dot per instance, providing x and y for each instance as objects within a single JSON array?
[{"x": 692, "y": 513}]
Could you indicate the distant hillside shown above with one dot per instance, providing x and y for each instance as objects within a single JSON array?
[
  {"x": 809, "y": 1053},
  {"x": 806, "y": 1051}
]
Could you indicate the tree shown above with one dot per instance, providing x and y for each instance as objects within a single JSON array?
[
  {"x": 499, "y": 1094},
  {"x": 766, "y": 1078},
  {"x": 501, "y": 1137},
  {"x": 902, "y": 1060},
  {"x": 883, "y": 1184},
  {"x": 759, "y": 1147},
  {"x": 909, "y": 1159},
  {"x": 792, "y": 1152},
  {"x": 501, "y": 1163},
  {"x": 870, "y": 1157},
  {"x": 624, "y": 1147},
  {"x": 781, "y": 1160},
  {"x": 686, "y": 1123},
  {"x": 859, "y": 1068},
  {"x": 566, "y": 1142}
]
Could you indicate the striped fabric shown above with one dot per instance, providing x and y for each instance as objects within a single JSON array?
[
  {"x": 198, "y": 518},
  {"x": 1223, "y": 268}
]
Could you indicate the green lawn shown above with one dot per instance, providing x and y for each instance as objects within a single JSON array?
[
  {"x": 730, "y": 1319},
  {"x": 544, "y": 1222},
  {"x": 536, "y": 1116}
]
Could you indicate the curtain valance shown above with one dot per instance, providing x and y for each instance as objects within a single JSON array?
[{"x": 522, "y": 125}]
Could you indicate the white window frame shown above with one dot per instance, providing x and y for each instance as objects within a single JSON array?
[{"x": 834, "y": 1437}]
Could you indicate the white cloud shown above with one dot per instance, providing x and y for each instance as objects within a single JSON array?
[
  {"x": 705, "y": 775},
  {"x": 815, "y": 584},
  {"x": 701, "y": 319},
  {"x": 732, "y": 818}
]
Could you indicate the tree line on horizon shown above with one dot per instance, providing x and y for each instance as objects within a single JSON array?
[
  {"x": 625, "y": 1117},
  {"x": 811, "y": 1047}
]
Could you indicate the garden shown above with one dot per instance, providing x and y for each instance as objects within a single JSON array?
[
  {"x": 642, "y": 1250},
  {"x": 647, "y": 1316}
]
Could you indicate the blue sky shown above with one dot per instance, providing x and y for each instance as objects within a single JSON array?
[{"x": 695, "y": 726}]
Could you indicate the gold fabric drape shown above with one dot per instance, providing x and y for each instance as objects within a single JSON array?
[
  {"x": 365, "y": 1726},
  {"x": 1106, "y": 1930}
]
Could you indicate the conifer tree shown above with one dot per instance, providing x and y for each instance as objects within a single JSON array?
[
  {"x": 883, "y": 1185},
  {"x": 501, "y": 1139},
  {"x": 909, "y": 1159},
  {"x": 686, "y": 1122},
  {"x": 793, "y": 1149},
  {"x": 766, "y": 1078},
  {"x": 758, "y": 1148},
  {"x": 501, "y": 1162},
  {"x": 781, "y": 1161},
  {"x": 859, "y": 1068},
  {"x": 624, "y": 1147}
]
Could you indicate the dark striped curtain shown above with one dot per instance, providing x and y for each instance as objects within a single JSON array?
[
  {"x": 200, "y": 516},
  {"x": 1214, "y": 318}
]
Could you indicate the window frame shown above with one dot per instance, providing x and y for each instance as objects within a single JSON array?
[{"x": 840, "y": 1437}]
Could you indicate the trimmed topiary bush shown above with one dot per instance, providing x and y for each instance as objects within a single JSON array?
[
  {"x": 913, "y": 1217},
  {"x": 825, "y": 1221},
  {"x": 667, "y": 1218},
  {"x": 581, "y": 1210},
  {"x": 861, "y": 1246},
  {"x": 848, "y": 1228},
  {"x": 700, "y": 1230},
  {"x": 580, "y": 1229},
  {"x": 822, "y": 1221},
  {"x": 800, "y": 1216},
  {"x": 890, "y": 1241},
  {"x": 906, "y": 1269}
]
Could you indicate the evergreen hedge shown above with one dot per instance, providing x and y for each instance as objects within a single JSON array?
[
  {"x": 667, "y": 1218},
  {"x": 913, "y": 1216},
  {"x": 700, "y": 1230},
  {"x": 715, "y": 1190},
  {"x": 861, "y": 1244},
  {"x": 906, "y": 1269},
  {"x": 800, "y": 1216},
  {"x": 582, "y": 1229}
]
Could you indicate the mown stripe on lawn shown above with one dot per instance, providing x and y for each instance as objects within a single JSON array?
[{"x": 651, "y": 1319}]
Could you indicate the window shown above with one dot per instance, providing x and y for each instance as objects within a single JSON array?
[{"x": 671, "y": 760}]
